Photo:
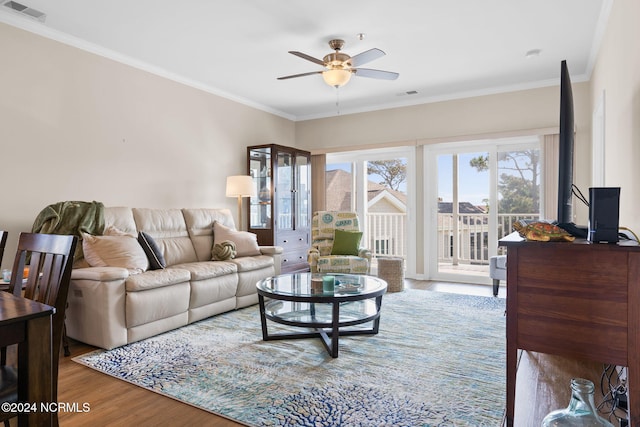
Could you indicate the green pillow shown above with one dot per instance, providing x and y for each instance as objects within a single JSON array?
[{"x": 346, "y": 242}]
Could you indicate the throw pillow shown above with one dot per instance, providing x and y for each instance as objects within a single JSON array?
[
  {"x": 246, "y": 243},
  {"x": 115, "y": 231},
  {"x": 152, "y": 250},
  {"x": 346, "y": 242},
  {"x": 224, "y": 250},
  {"x": 114, "y": 251}
]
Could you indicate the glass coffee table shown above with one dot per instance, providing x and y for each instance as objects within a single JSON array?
[{"x": 292, "y": 299}]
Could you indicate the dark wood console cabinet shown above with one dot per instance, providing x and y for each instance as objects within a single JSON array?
[{"x": 577, "y": 300}]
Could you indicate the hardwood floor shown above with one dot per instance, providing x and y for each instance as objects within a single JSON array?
[{"x": 543, "y": 385}]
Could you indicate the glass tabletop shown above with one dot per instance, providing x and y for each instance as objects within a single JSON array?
[{"x": 308, "y": 284}]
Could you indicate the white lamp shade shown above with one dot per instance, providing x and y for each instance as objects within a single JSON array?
[
  {"x": 336, "y": 77},
  {"x": 240, "y": 186}
]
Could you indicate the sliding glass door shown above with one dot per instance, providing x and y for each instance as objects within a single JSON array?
[
  {"x": 463, "y": 205},
  {"x": 376, "y": 184},
  {"x": 475, "y": 192}
]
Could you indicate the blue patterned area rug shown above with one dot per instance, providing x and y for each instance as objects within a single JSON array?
[{"x": 438, "y": 360}]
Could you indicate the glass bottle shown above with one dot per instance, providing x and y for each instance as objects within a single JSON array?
[{"x": 581, "y": 411}]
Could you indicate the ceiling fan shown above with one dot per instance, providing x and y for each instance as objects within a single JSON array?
[{"x": 340, "y": 66}]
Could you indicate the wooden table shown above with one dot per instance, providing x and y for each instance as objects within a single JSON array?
[
  {"x": 28, "y": 324},
  {"x": 577, "y": 300}
]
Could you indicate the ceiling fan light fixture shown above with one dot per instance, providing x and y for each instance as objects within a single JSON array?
[
  {"x": 336, "y": 77},
  {"x": 339, "y": 66}
]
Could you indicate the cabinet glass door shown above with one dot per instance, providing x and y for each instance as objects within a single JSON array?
[
  {"x": 303, "y": 191},
  {"x": 284, "y": 191},
  {"x": 260, "y": 171}
]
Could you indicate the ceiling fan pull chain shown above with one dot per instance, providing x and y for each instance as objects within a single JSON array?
[{"x": 338, "y": 100}]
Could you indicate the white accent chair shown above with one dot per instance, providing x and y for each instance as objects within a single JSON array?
[{"x": 497, "y": 271}]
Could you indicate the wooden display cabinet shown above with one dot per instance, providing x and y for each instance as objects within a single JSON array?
[{"x": 280, "y": 213}]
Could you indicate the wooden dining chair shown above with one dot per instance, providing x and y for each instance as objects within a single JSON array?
[
  {"x": 3, "y": 242},
  {"x": 43, "y": 267}
]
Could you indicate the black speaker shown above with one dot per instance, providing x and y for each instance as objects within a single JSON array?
[{"x": 604, "y": 214}]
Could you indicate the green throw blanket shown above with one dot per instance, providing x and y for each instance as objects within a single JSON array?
[{"x": 71, "y": 218}]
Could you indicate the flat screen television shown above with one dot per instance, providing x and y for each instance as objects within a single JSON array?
[{"x": 565, "y": 164}]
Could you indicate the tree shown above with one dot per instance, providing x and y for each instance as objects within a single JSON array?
[
  {"x": 392, "y": 172},
  {"x": 520, "y": 189}
]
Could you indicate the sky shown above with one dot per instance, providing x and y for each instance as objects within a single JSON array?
[{"x": 473, "y": 185}]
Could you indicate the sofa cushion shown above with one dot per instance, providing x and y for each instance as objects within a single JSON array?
[
  {"x": 112, "y": 230},
  {"x": 152, "y": 250},
  {"x": 252, "y": 263},
  {"x": 156, "y": 279},
  {"x": 168, "y": 229},
  {"x": 120, "y": 218},
  {"x": 343, "y": 264},
  {"x": 246, "y": 243},
  {"x": 216, "y": 293},
  {"x": 157, "y": 305},
  {"x": 325, "y": 222},
  {"x": 114, "y": 251},
  {"x": 207, "y": 269},
  {"x": 200, "y": 227}
]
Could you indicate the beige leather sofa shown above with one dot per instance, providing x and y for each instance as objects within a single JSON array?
[{"x": 113, "y": 306}]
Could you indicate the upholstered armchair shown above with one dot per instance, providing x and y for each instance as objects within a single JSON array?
[
  {"x": 497, "y": 271},
  {"x": 335, "y": 244}
]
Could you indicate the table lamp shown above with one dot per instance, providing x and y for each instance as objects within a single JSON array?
[{"x": 240, "y": 186}]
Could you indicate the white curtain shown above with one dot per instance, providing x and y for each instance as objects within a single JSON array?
[{"x": 550, "y": 148}]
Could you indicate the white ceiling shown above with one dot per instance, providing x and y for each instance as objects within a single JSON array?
[{"x": 443, "y": 49}]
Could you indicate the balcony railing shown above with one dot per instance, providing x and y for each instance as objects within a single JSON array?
[
  {"x": 387, "y": 233},
  {"x": 472, "y": 239}
]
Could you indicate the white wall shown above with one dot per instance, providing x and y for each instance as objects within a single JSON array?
[
  {"x": 514, "y": 111},
  {"x": 617, "y": 73},
  {"x": 77, "y": 126}
]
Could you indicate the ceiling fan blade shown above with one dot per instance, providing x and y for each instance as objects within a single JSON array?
[
  {"x": 307, "y": 57},
  {"x": 366, "y": 56},
  {"x": 299, "y": 75},
  {"x": 375, "y": 74}
]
